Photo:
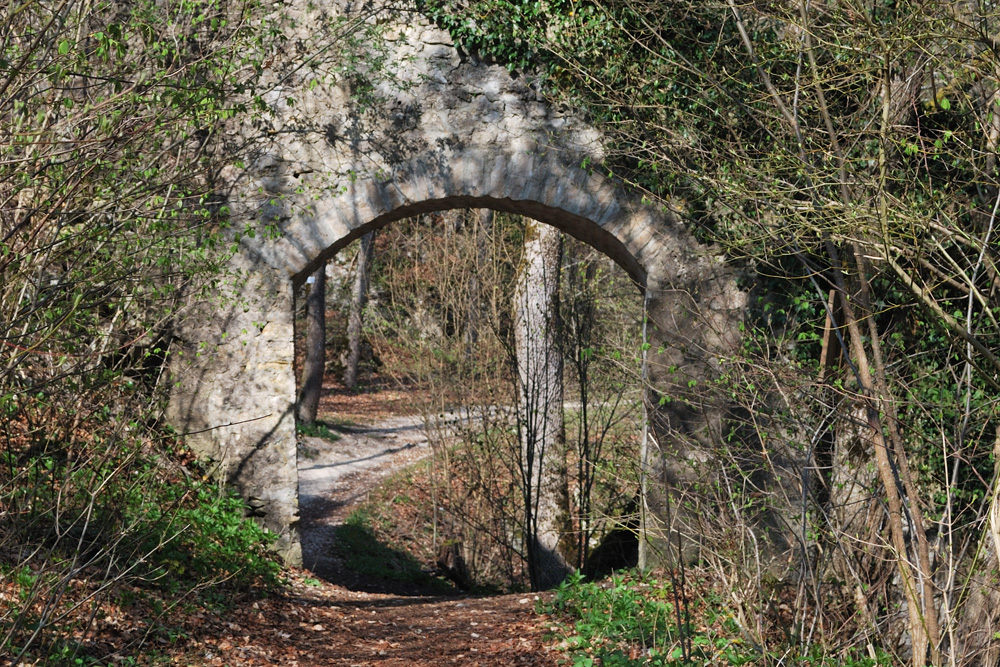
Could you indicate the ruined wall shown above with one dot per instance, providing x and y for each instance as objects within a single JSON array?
[{"x": 427, "y": 130}]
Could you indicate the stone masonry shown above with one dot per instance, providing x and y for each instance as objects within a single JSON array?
[{"x": 349, "y": 151}]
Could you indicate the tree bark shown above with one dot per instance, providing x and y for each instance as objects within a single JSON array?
[
  {"x": 540, "y": 409},
  {"x": 484, "y": 225},
  {"x": 315, "y": 361},
  {"x": 359, "y": 299}
]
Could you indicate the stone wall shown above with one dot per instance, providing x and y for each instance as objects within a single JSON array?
[{"x": 234, "y": 392}]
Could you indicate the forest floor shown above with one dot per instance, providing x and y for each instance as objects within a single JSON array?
[
  {"x": 331, "y": 616},
  {"x": 316, "y": 623}
]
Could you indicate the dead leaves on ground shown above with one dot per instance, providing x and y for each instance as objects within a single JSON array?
[{"x": 328, "y": 625}]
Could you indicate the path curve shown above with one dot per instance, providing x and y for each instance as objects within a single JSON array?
[
  {"x": 345, "y": 621},
  {"x": 335, "y": 477}
]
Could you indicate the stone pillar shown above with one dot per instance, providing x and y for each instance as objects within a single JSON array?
[
  {"x": 693, "y": 325},
  {"x": 233, "y": 394}
]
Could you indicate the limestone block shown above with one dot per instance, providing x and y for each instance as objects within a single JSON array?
[
  {"x": 494, "y": 176},
  {"x": 519, "y": 176},
  {"x": 235, "y": 393}
]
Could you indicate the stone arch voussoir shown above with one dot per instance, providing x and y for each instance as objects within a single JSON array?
[{"x": 543, "y": 186}]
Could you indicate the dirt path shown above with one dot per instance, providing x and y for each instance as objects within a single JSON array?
[
  {"x": 334, "y": 477},
  {"x": 314, "y": 626},
  {"x": 330, "y": 617}
]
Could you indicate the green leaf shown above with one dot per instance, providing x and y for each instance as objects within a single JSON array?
[
  {"x": 944, "y": 103},
  {"x": 63, "y": 47}
]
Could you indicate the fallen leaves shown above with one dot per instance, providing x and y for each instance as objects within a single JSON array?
[{"x": 310, "y": 626}]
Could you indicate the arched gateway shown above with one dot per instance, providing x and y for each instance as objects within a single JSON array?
[{"x": 444, "y": 133}]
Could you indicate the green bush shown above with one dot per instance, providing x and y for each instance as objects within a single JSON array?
[
  {"x": 120, "y": 520},
  {"x": 631, "y": 619},
  {"x": 205, "y": 536},
  {"x": 623, "y": 622}
]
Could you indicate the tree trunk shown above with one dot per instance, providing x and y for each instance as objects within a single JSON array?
[
  {"x": 578, "y": 333},
  {"x": 483, "y": 228},
  {"x": 540, "y": 410},
  {"x": 358, "y": 300},
  {"x": 315, "y": 361}
]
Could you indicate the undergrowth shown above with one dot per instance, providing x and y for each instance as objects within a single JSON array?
[
  {"x": 212, "y": 540},
  {"x": 420, "y": 510},
  {"x": 633, "y": 619},
  {"x": 317, "y": 429},
  {"x": 100, "y": 552}
]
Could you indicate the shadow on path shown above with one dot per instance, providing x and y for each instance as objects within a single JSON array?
[
  {"x": 349, "y": 555},
  {"x": 335, "y": 478}
]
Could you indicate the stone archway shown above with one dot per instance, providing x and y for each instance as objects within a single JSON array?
[{"x": 473, "y": 137}]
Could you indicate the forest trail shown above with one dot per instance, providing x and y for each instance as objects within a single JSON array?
[
  {"x": 324, "y": 615},
  {"x": 318, "y": 624},
  {"x": 380, "y": 432},
  {"x": 335, "y": 477},
  {"x": 329, "y": 616}
]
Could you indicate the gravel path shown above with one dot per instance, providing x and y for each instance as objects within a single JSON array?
[{"x": 335, "y": 477}]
